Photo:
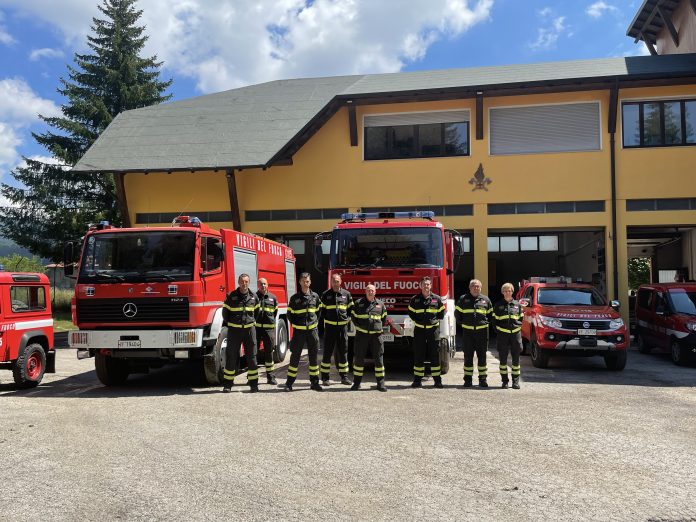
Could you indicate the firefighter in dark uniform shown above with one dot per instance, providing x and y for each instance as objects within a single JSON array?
[
  {"x": 507, "y": 318},
  {"x": 266, "y": 327},
  {"x": 369, "y": 314},
  {"x": 472, "y": 313},
  {"x": 239, "y": 313},
  {"x": 336, "y": 304},
  {"x": 303, "y": 308},
  {"x": 426, "y": 310}
]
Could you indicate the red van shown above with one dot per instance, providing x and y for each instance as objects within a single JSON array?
[
  {"x": 26, "y": 327},
  {"x": 666, "y": 320}
]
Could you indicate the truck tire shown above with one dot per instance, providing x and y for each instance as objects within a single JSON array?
[
  {"x": 111, "y": 371},
  {"x": 446, "y": 354},
  {"x": 214, "y": 363},
  {"x": 29, "y": 368},
  {"x": 643, "y": 346},
  {"x": 281, "y": 349},
  {"x": 616, "y": 362},
  {"x": 540, "y": 358}
]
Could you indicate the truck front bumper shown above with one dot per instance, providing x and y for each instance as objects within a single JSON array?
[{"x": 136, "y": 339}]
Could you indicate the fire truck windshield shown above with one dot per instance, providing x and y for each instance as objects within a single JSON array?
[
  {"x": 388, "y": 247},
  {"x": 570, "y": 296},
  {"x": 138, "y": 257}
]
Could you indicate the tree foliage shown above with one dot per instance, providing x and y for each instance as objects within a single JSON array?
[
  {"x": 17, "y": 263},
  {"x": 638, "y": 272},
  {"x": 55, "y": 204}
]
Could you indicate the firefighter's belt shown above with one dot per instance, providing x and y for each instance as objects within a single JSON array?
[
  {"x": 301, "y": 327},
  {"x": 479, "y": 327},
  {"x": 267, "y": 326},
  {"x": 235, "y": 325},
  {"x": 514, "y": 330},
  {"x": 336, "y": 323}
]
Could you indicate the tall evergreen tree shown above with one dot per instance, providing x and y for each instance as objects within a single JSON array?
[{"x": 57, "y": 204}]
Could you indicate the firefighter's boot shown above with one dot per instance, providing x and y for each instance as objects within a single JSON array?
[
  {"x": 357, "y": 379},
  {"x": 227, "y": 388},
  {"x": 271, "y": 379},
  {"x": 515, "y": 382},
  {"x": 417, "y": 382},
  {"x": 438, "y": 382},
  {"x": 288, "y": 384},
  {"x": 468, "y": 381},
  {"x": 505, "y": 382},
  {"x": 483, "y": 382},
  {"x": 314, "y": 384},
  {"x": 380, "y": 384},
  {"x": 253, "y": 386},
  {"x": 345, "y": 380}
]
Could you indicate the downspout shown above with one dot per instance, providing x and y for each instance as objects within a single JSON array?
[{"x": 613, "y": 107}]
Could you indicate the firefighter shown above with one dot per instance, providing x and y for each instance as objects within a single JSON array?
[
  {"x": 507, "y": 318},
  {"x": 266, "y": 326},
  {"x": 369, "y": 314},
  {"x": 336, "y": 304},
  {"x": 472, "y": 313},
  {"x": 239, "y": 312},
  {"x": 426, "y": 310},
  {"x": 302, "y": 311}
]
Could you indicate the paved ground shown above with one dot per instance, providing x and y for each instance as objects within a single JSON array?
[{"x": 576, "y": 443}]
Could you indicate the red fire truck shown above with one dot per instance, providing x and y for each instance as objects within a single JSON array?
[
  {"x": 148, "y": 296},
  {"x": 394, "y": 250},
  {"x": 26, "y": 327}
]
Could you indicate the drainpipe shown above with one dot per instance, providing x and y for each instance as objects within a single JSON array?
[{"x": 613, "y": 107}]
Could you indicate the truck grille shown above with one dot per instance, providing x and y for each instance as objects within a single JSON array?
[
  {"x": 161, "y": 310},
  {"x": 574, "y": 324}
]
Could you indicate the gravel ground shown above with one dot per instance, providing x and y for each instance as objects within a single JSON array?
[{"x": 577, "y": 442}]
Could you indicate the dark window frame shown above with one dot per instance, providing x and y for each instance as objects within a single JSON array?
[
  {"x": 641, "y": 123},
  {"x": 416, "y": 142}
]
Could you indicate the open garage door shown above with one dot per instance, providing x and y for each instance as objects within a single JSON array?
[
  {"x": 671, "y": 251},
  {"x": 514, "y": 255}
]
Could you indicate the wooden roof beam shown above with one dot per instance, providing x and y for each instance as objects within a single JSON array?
[{"x": 670, "y": 26}]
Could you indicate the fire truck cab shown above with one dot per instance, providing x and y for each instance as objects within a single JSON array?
[
  {"x": 148, "y": 296},
  {"x": 394, "y": 251},
  {"x": 26, "y": 327}
]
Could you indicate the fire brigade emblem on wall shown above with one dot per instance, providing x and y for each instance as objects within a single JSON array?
[{"x": 479, "y": 181}]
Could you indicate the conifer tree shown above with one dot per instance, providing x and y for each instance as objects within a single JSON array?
[{"x": 54, "y": 204}]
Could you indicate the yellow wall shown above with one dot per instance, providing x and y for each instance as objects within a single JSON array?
[{"x": 328, "y": 173}]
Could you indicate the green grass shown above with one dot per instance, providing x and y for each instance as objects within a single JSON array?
[{"x": 62, "y": 322}]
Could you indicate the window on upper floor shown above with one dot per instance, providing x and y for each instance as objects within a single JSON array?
[
  {"x": 416, "y": 135},
  {"x": 568, "y": 127},
  {"x": 667, "y": 123}
]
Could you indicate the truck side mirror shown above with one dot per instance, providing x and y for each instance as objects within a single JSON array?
[
  {"x": 524, "y": 302},
  {"x": 615, "y": 305},
  {"x": 68, "y": 257}
]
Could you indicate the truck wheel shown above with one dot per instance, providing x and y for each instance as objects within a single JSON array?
[
  {"x": 540, "y": 359},
  {"x": 214, "y": 362},
  {"x": 29, "y": 368},
  {"x": 643, "y": 346},
  {"x": 111, "y": 371},
  {"x": 616, "y": 362},
  {"x": 444, "y": 356},
  {"x": 678, "y": 355},
  {"x": 281, "y": 342}
]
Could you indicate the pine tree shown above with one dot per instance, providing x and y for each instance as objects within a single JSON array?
[{"x": 57, "y": 204}]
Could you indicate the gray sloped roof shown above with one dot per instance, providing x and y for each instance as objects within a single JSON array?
[{"x": 249, "y": 126}]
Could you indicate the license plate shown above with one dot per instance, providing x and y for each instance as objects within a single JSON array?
[
  {"x": 587, "y": 331},
  {"x": 129, "y": 344},
  {"x": 388, "y": 338}
]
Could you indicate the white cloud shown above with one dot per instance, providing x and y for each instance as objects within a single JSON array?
[
  {"x": 228, "y": 43},
  {"x": 45, "y": 52},
  {"x": 598, "y": 9},
  {"x": 548, "y": 35},
  {"x": 5, "y": 37},
  {"x": 19, "y": 108}
]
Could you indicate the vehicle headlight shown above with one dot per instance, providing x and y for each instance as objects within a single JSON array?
[
  {"x": 615, "y": 324},
  {"x": 551, "y": 322},
  {"x": 691, "y": 326}
]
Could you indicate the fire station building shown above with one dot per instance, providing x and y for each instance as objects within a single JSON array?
[{"x": 568, "y": 168}]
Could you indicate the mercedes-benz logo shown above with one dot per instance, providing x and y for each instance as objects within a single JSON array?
[
  {"x": 129, "y": 310},
  {"x": 584, "y": 325}
]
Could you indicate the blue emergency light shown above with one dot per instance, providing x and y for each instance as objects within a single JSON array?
[{"x": 352, "y": 216}]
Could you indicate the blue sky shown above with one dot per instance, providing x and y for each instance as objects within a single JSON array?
[{"x": 213, "y": 45}]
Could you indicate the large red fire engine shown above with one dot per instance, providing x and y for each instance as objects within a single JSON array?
[
  {"x": 147, "y": 296},
  {"x": 394, "y": 250},
  {"x": 26, "y": 327}
]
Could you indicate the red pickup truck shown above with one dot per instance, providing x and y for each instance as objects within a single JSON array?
[
  {"x": 26, "y": 327},
  {"x": 566, "y": 318}
]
